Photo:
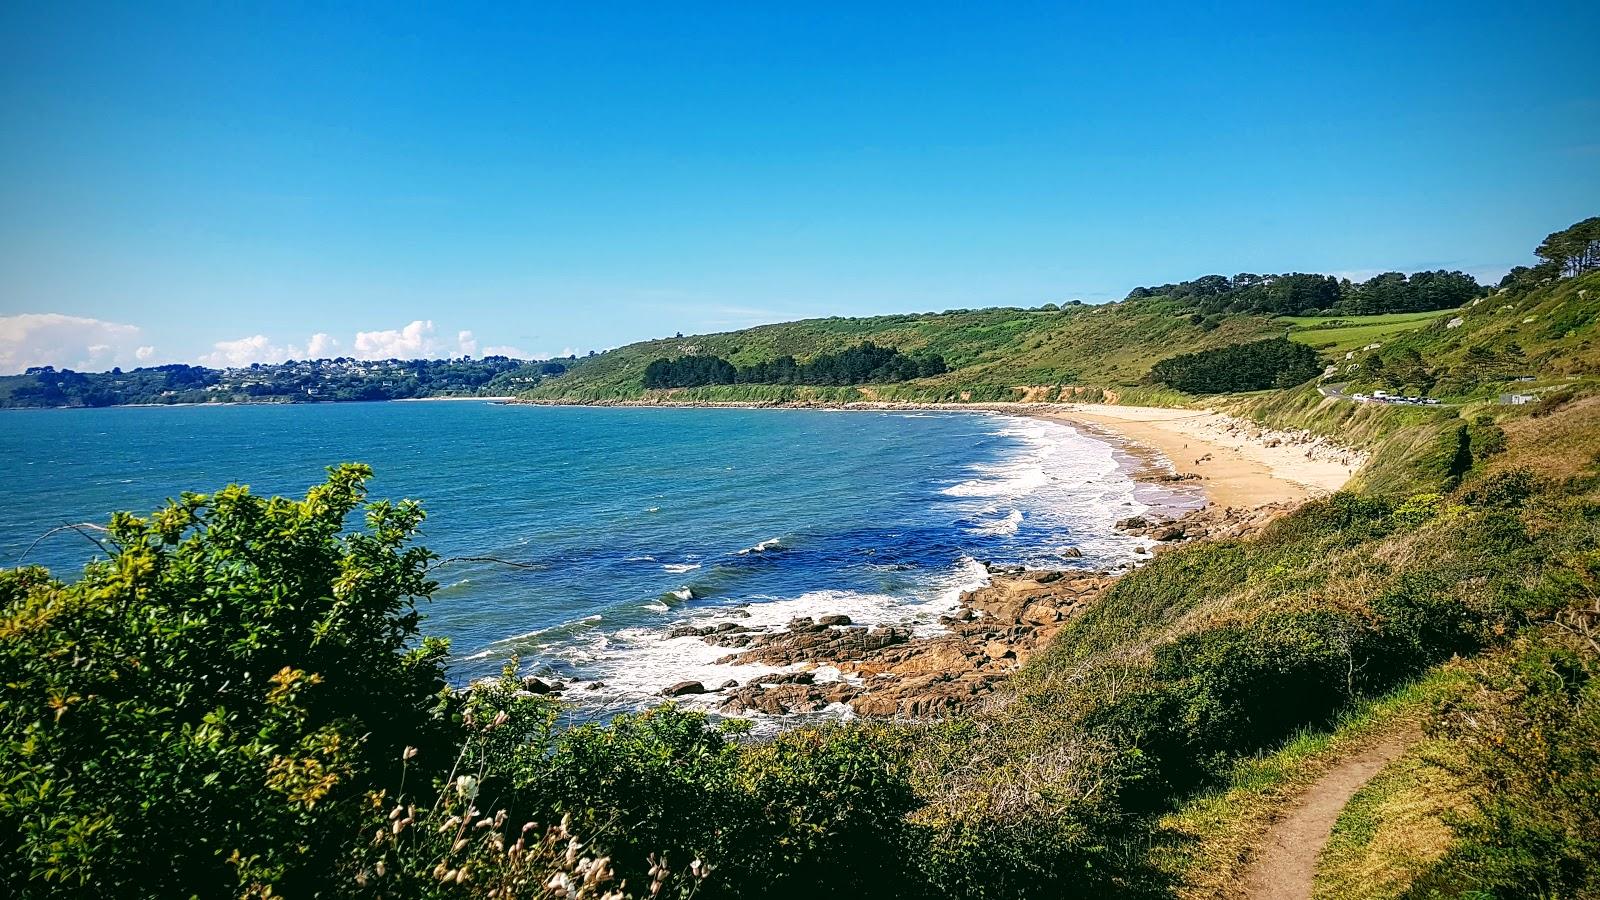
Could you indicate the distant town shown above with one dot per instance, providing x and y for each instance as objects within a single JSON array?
[{"x": 295, "y": 381}]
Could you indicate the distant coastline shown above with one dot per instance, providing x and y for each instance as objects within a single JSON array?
[{"x": 268, "y": 402}]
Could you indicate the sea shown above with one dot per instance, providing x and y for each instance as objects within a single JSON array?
[{"x": 615, "y": 525}]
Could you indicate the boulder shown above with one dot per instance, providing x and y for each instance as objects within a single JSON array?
[
  {"x": 682, "y": 688},
  {"x": 834, "y": 620}
]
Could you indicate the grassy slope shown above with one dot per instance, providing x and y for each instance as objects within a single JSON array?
[
  {"x": 990, "y": 351},
  {"x": 1154, "y": 643},
  {"x": 1396, "y": 830},
  {"x": 1553, "y": 326},
  {"x": 1339, "y": 334},
  {"x": 1204, "y": 846}
]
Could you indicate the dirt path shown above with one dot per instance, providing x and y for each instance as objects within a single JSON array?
[{"x": 1287, "y": 860}]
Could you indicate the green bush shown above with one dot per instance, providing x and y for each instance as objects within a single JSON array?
[
  {"x": 1532, "y": 735},
  {"x": 205, "y": 710}
]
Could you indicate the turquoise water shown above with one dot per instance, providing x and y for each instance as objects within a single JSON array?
[{"x": 632, "y": 520}]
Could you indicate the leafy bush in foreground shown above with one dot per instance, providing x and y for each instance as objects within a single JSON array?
[
  {"x": 208, "y": 707},
  {"x": 238, "y": 702}
]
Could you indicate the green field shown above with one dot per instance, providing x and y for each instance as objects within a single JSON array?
[{"x": 1338, "y": 334}]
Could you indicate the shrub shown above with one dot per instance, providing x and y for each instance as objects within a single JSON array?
[
  {"x": 203, "y": 711},
  {"x": 1532, "y": 736}
]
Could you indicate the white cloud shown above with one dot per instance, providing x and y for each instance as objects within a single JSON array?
[
  {"x": 73, "y": 342},
  {"x": 321, "y": 346},
  {"x": 414, "y": 341},
  {"x": 257, "y": 348},
  {"x": 52, "y": 339},
  {"x": 507, "y": 350}
]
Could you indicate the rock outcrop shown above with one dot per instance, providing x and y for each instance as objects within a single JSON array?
[{"x": 889, "y": 672}]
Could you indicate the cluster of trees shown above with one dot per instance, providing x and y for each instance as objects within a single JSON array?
[
  {"x": 308, "y": 381},
  {"x": 689, "y": 371},
  {"x": 865, "y": 363},
  {"x": 1277, "y": 362},
  {"x": 1571, "y": 251},
  {"x": 1298, "y": 293}
]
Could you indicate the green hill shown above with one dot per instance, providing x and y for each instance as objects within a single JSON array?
[
  {"x": 992, "y": 354},
  {"x": 1533, "y": 339}
]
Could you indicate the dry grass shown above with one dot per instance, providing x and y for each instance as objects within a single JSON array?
[{"x": 1563, "y": 444}]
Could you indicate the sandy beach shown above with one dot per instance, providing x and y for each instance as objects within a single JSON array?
[{"x": 1240, "y": 465}]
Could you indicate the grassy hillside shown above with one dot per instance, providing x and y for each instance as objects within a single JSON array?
[
  {"x": 991, "y": 353},
  {"x": 1538, "y": 340},
  {"x": 1338, "y": 334}
]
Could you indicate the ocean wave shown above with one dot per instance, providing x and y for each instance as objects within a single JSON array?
[
  {"x": 1062, "y": 483},
  {"x": 1007, "y": 524},
  {"x": 766, "y": 546},
  {"x": 681, "y": 567}
]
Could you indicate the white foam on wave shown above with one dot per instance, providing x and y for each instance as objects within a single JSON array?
[
  {"x": 681, "y": 567},
  {"x": 765, "y": 546},
  {"x": 635, "y": 664},
  {"x": 1058, "y": 478},
  {"x": 1006, "y": 524}
]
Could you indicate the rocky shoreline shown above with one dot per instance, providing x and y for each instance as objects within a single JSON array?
[
  {"x": 887, "y": 671},
  {"x": 890, "y": 671}
]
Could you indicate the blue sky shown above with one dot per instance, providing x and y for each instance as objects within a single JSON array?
[{"x": 188, "y": 182}]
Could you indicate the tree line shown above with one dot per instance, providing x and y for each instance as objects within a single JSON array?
[
  {"x": 1298, "y": 293},
  {"x": 865, "y": 363},
  {"x": 1273, "y": 363},
  {"x": 1569, "y": 252}
]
